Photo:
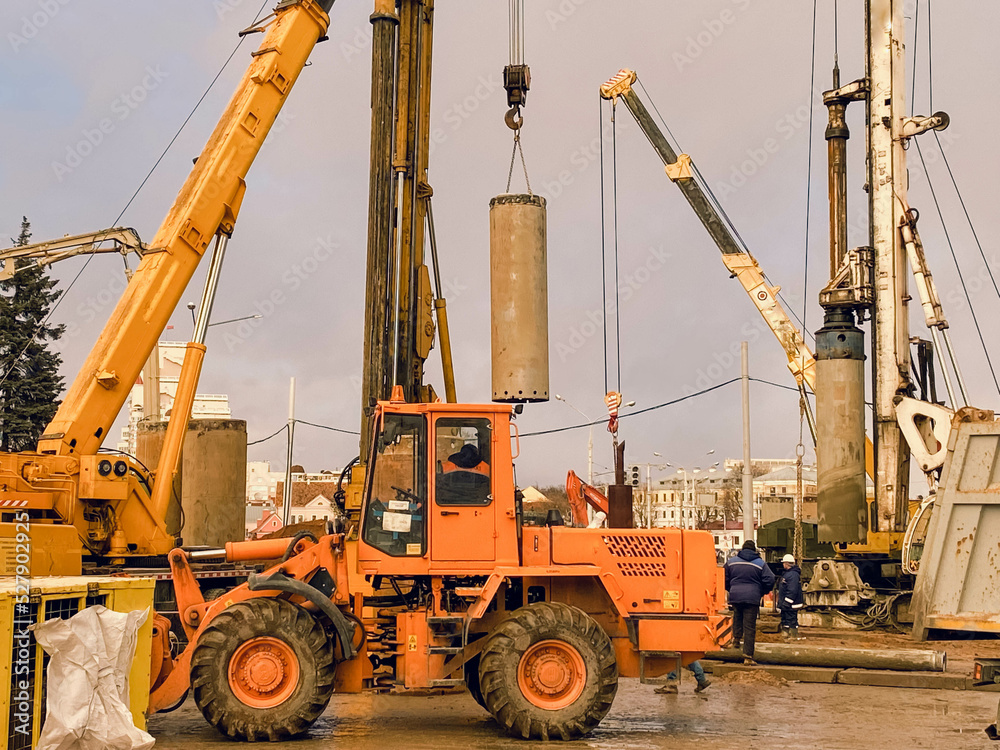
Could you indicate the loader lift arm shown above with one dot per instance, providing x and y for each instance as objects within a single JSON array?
[{"x": 741, "y": 264}]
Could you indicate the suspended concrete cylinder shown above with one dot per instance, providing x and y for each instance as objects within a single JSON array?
[
  {"x": 841, "y": 501},
  {"x": 212, "y": 482},
  {"x": 519, "y": 298}
]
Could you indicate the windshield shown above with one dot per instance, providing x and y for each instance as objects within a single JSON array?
[{"x": 396, "y": 514}]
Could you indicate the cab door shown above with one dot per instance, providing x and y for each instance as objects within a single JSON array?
[{"x": 463, "y": 526}]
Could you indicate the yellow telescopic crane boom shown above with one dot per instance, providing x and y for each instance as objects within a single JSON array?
[
  {"x": 741, "y": 264},
  {"x": 110, "y": 503}
]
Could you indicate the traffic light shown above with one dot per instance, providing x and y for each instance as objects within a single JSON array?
[{"x": 633, "y": 475}]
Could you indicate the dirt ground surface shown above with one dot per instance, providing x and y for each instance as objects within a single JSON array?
[
  {"x": 724, "y": 717},
  {"x": 738, "y": 712}
]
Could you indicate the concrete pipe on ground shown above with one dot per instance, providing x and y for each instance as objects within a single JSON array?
[{"x": 900, "y": 660}]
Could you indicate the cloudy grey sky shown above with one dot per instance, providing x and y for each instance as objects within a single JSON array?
[{"x": 730, "y": 76}]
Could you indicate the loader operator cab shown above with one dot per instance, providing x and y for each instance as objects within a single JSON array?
[
  {"x": 433, "y": 487},
  {"x": 396, "y": 514}
]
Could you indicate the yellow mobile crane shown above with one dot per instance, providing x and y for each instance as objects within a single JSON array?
[
  {"x": 83, "y": 503},
  {"x": 741, "y": 264},
  {"x": 924, "y": 425}
]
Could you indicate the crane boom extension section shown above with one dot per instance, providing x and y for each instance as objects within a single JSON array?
[
  {"x": 741, "y": 264},
  {"x": 207, "y": 204},
  {"x": 109, "y": 503}
]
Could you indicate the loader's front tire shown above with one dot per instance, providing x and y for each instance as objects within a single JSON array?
[
  {"x": 263, "y": 671},
  {"x": 548, "y": 672}
]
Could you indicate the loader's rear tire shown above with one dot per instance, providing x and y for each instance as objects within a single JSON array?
[
  {"x": 263, "y": 671},
  {"x": 548, "y": 672}
]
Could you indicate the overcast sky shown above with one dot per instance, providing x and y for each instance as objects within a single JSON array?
[{"x": 731, "y": 77}]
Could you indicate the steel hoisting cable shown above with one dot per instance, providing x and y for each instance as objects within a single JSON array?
[
  {"x": 614, "y": 206},
  {"x": 516, "y": 57},
  {"x": 716, "y": 204},
  {"x": 965, "y": 210},
  {"x": 145, "y": 179},
  {"x": 809, "y": 159},
  {"x": 937, "y": 205},
  {"x": 702, "y": 182},
  {"x": 944, "y": 156},
  {"x": 958, "y": 268},
  {"x": 913, "y": 57},
  {"x": 510, "y": 172},
  {"x": 604, "y": 270}
]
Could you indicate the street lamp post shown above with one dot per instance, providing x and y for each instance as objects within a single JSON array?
[{"x": 688, "y": 493}]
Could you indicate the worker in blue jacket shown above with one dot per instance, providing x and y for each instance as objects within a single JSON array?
[
  {"x": 748, "y": 579},
  {"x": 790, "y": 598}
]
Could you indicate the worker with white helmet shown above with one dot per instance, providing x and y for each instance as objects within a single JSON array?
[{"x": 790, "y": 598}]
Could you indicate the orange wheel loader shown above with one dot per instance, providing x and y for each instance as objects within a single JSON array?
[{"x": 538, "y": 622}]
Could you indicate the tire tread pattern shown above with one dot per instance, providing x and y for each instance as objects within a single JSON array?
[
  {"x": 500, "y": 657},
  {"x": 252, "y": 619}
]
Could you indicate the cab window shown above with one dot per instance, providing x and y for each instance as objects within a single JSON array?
[
  {"x": 464, "y": 473},
  {"x": 396, "y": 514}
]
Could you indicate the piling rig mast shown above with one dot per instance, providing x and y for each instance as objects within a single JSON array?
[{"x": 402, "y": 304}]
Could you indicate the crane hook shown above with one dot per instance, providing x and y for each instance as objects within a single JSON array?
[{"x": 513, "y": 118}]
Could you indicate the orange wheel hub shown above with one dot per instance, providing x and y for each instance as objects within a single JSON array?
[
  {"x": 263, "y": 672},
  {"x": 551, "y": 674}
]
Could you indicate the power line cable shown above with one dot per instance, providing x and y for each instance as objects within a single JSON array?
[
  {"x": 273, "y": 434},
  {"x": 672, "y": 402},
  {"x": 327, "y": 427}
]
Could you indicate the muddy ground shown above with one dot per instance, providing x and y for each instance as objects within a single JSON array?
[
  {"x": 724, "y": 717},
  {"x": 740, "y": 715}
]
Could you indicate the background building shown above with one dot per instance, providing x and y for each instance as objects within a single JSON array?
[{"x": 171, "y": 358}]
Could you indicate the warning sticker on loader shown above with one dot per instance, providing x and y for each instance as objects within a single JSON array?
[{"x": 671, "y": 599}]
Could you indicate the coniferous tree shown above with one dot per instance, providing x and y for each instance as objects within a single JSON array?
[{"x": 29, "y": 370}]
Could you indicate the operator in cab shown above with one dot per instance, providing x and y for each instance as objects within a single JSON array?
[{"x": 467, "y": 459}]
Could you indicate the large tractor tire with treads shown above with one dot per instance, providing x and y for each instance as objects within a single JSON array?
[
  {"x": 548, "y": 672},
  {"x": 472, "y": 681},
  {"x": 263, "y": 671}
]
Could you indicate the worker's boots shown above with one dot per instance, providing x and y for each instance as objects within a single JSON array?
[
  {"x": 786, "y": 634},
  {"x": 793, "y": 634}
]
